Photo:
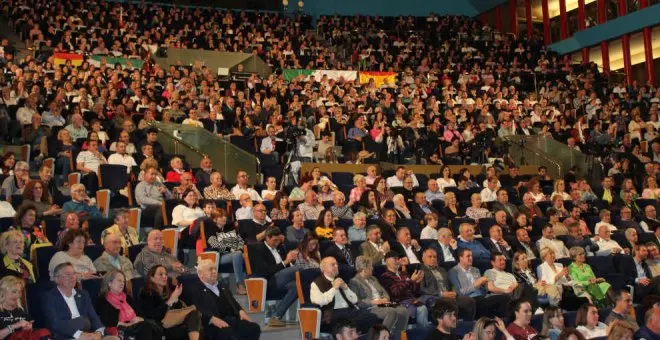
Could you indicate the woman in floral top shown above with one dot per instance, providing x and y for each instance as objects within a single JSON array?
[
  {"x": 476, "y": 211},
  {"x": 280, "y": 209},
  {"x": 217, "y": 189}
]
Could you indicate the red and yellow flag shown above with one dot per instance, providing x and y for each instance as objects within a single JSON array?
[
  {"x": 61, "y": 58},
  {"x": 379, "y": 78}
]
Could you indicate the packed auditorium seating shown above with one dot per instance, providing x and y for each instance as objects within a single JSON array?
[{"x": 99, "y": 214}]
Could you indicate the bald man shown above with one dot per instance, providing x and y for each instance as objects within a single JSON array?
[
  {"x": 112, "y": 259},
  {"x": 155, "y": 253},
  {"x": 337, "y": 300},
  {"x": 222, "y": 316}
]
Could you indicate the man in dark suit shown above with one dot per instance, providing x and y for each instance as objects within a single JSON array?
[
  {"x": 496, "y": 242},
  {"x": 340, "y": 249},
  {"x": 270, "y": 262},
  {"x": 63, "y": 321},
  {"x": 421, "y": 207},
  {"x": 639, "y": 274},
  {"x": 446, "y": 246},
  {"x": 220, "y": 311},
  {"x": 524, "y": 243},
  {"x": 408, "y": 248},
  {"x": 577, "y": 239},
  {"x": 503, "y": 203}
]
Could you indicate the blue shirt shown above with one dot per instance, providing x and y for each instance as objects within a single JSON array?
[
  {"x": 479, "y": 252},
  {"x": 431, "y": 196},
  {"x": 81, "y": 207},
  {"x": 357, "y": 234}
]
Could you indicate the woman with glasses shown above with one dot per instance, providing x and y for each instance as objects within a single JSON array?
[
  {"x": 12, "y": 244},
  {"x": 36, "y": 193},
  {"x": 15, "y": 184}
]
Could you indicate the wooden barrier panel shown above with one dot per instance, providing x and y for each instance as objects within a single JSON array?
[
  {"x": 362, "y": 168},
  {"x": 171, "y": 240}
]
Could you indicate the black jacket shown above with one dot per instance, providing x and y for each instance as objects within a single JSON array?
[
  {"x": 262, "y": 260},
  {"x": 334, "y": 251},
  {"x": 208, "y": 304}
]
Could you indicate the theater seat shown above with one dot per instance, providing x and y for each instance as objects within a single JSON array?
[{"x": 309, "y": 315}]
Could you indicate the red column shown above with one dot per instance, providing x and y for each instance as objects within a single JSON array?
[
  {"x": 623, "y": 8},
  {"x": 648, "y": 48},
  {"x": 627, "y": 65},
  {"x": 483, "y": 17},
  {"x": 563, "y": 22},
  {"x": 546, "y": 22},
  {"x": 498, "y": 18},
  {"x": 648, "y": 54},
  {"x": 528, "y": 18},
  {"x": 604, "y": 46},
  {"x": 582, "y": 24},
  {"x": 513, "y": 12}
]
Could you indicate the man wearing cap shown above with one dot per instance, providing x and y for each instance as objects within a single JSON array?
[
  {"x": 272, "y": 263},
  {"x": 336, "y": 299},
  {"x": 405, "y": 290}
]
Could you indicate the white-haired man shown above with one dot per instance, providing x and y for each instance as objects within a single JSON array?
[{"x": 220, "y": 311}]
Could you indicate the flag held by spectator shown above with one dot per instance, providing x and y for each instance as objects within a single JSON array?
[
  {"x": 61, "y": 58},
  {"x": 379, "y": 78},
  {"x": 291, "y": 74}
]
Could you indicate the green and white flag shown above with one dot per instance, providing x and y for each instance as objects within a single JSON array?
[
  {"x": 95, "y": 60},
  {"x": 292, "y": 74}
]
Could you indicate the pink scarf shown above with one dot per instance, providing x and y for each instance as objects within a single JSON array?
[{"x": 126, "y": 313}]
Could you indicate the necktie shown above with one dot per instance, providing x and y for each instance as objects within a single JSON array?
[
  {"x": 347, "y": 256},
  {"x": 343, "y": 295}
]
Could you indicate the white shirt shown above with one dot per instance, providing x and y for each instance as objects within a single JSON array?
[
  {"x": 500, "y": 278},
  {"x": 446, "y": 252},
  {"x": 90, "y": 161},
  {"x": 124, "y": 160},
  {"x": 73, "y": 308},
  {"x": 443, "y": 183},
  {"x": 306, "y": 146},
  {"x": 545, "y": 273},
  {"x": 276, "y": 255},
  {"x": 558, "y": 246},
  {"x": 605, "y": 247},
  {"x": 393, "y": 182},
  {"x": 182, "y": 213},
  {"x": 24, "y": 115},
  {"x": 598, "y": 332},
  {"x": 238, "y": 191},
  {"x": 609, "y": 226},
  {"x": 488, "y": 195},
  {"x": 410, "y": 253},
  {"x": 244, "y": 213},
  {"x": 325, "y": 298},
  {"x": 429, "y": 233},
  {"x": 267, "y": 144}
]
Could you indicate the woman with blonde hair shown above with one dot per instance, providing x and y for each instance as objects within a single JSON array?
[
  {"x": 486, "y": 329},
  {"x": 452, "y": 209},
  {"x": 360, "y": 187},
  {"x": 476, "y": 211},
  {"x": 12, "y": 244},
  {"x": 560, "y": 190},
  {"x": 651, "y": 189},
  {"x": 14, "y": 319},
  {"x": 148, "y": 164}
]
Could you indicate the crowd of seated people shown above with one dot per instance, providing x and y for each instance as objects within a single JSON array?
[{"x": 423, "y": 250}]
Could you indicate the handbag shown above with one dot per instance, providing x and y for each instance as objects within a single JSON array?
[
  {"x": 175, "y": 317},
  {"x": 33, "y": 334}
]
